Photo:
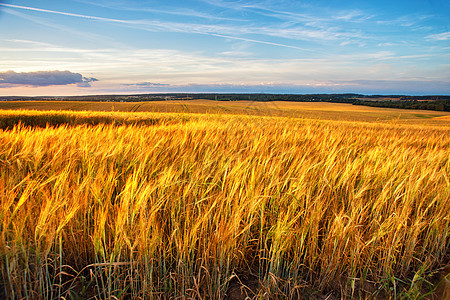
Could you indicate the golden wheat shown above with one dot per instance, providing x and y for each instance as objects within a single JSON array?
[{"x": 193, "y": 203}]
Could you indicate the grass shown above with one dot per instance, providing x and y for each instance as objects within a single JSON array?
[{"x": 118, "y": 205}]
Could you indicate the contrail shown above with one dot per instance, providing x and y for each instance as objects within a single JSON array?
[
  {"x": 68, "y": 14},
  {"x": 254, "y": 41},
  {"x": 143, "y": 23}
]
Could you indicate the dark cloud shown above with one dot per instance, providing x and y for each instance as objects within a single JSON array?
[{"x": 44, "y": 78}]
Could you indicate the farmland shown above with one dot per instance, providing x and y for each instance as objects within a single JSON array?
[
  {"x": 308, "y": 110},
  {"x": 222, "y": 200}
]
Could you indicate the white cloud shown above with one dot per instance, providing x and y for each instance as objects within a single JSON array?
[
  {"x": 411, "y": 21},
  {"x": 439, "y": 36},
  {"x": 146, "y": 84},
  {"x": 127, "y": 6},
  {"x": 57, "y": 26},
  {"x": 159, "y": 26},
  {"x": 296, "y": 33}
]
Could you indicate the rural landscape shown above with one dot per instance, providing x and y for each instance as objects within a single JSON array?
[
  {"x": 224, "y": 149},
  {"x": 223, "y": 200}
]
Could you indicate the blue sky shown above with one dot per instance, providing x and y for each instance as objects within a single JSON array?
[{"x": 76, "y": 47}]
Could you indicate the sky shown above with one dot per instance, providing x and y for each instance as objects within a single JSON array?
[{"x": 87, "y": 47}]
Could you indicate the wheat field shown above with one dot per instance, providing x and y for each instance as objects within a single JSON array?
[
  {"x": 306, "y": 110},
  {"x": 110, "y": 205}
]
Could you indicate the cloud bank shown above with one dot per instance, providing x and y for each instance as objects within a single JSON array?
[
  {"x": 146, "y": 84},
  {"x": 44, "y": 78},
  {"x": 382, "y": 87}
]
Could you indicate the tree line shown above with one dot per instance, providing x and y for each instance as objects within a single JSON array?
[{"x": 438, "y": 103}]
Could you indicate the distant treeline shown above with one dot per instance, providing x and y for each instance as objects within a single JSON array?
[
  {"x": 342, "y": 98},
  {"x": 439, "y": 103}
]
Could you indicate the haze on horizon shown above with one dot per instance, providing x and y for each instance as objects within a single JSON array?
[{"x": 79, "y": 47}]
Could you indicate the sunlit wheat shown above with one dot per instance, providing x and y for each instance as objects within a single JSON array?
[{"x": 185, "y": 205}]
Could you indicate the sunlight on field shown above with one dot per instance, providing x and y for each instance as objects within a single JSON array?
[
  {"x": 164, "y": 205},
  {"x": 309, "y": 110}
]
